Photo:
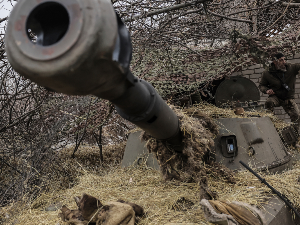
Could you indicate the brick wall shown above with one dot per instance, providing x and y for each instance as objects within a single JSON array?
[{"x": 254, "y": 73}]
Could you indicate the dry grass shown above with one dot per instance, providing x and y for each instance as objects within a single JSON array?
[
  {"x": 145, "y": 186},
  {"x": 215, "y": 112}
]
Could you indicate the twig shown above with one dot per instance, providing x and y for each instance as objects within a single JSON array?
[
  {"x": 186, "y": 13},
  {"x": 81, "y": 167},
  {"x": 11, "y": 167},
  {"x": 84, "y": 130},
  {"x": 7, "y": 190},
  {"x": 18, "y": 120},
  {"x": 3, "y": 19},
  {"x": 277, "y": 19},
  {"x": 95, "y": 213},
  {"x": 291, "y": 4},
  {"x": 229, "y": 18},
  {"x": 156, "y": 12},
  {"x": 249, "y": 10}
]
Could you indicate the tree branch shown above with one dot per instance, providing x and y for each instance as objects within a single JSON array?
[
  {"x": 229, "y": 18},
  {"x": 84, "y": 130},
  {"x": 19, "y": 119},
  {"x": 294, "y": 5},
  {"x": 3, "y": 19},
  {"x": 248, "y": 10},
  {"x": 4, "y": 162},
  {"x": 186, "y": 13},
  {"x": 163, "y": 10},
  {"x": 287, "y": 6}
]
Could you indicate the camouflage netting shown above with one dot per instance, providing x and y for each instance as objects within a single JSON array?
[
  {"x": 175, "y": 70},
  {"x": 194, "y": 163}
]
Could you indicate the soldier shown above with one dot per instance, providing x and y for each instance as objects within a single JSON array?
[{"x": 279, "y": 83}]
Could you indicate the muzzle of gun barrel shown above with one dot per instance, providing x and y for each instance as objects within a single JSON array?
[{"x": 69, "y": 46}]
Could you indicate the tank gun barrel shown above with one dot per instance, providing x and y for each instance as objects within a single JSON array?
[{"x": 82, "y": 47}]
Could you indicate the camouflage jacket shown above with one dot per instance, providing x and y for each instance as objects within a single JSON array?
[{"x": 270, "y": 80}]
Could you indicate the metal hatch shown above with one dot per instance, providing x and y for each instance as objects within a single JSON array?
[{"x": 257, "y": 141}]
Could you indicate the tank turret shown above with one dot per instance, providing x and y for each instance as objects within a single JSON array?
[{"x": 253, "y": 140}]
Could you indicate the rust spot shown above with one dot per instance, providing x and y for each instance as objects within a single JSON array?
[
  {"x": 48, "y": 51},
  {"x": 19, "y": 24}
]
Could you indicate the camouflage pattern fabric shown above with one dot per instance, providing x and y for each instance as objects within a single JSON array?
[{"x": 289, "y": 106}]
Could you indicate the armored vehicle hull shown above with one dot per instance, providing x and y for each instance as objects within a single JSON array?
[{"x": 255, "y": 141}]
